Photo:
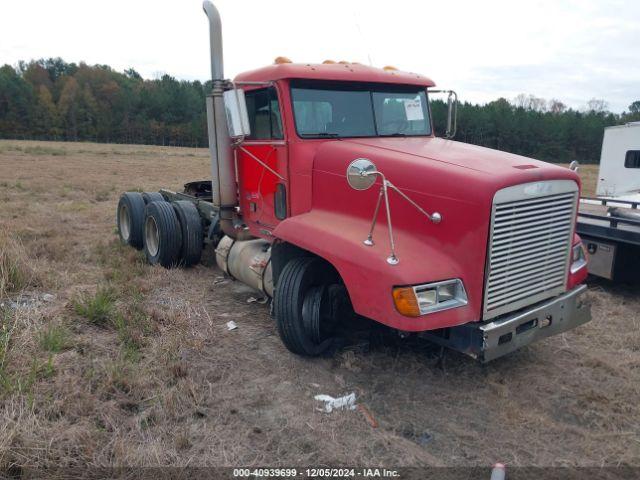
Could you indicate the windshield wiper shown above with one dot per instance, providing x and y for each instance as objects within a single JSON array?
[
  {"x": 320, "y": 134},
  {"x": 397, "y": 134}
]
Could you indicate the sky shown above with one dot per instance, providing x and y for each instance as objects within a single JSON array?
[{"x": 564, "y": 49}]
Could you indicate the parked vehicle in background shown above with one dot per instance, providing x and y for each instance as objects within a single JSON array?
[
  {"x": 331, "y": 194},
  {"x": 609, "y": 224}
]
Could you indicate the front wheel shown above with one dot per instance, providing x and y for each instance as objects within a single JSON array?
[{"x": 308, "y": 305}]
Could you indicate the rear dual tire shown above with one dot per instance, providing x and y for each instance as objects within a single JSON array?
[
  {"x": 162, "y": 235},
  {"x": 149, "y": 197},
  {"x": 130, "y": 219},
  {"x": 191, "y": 231}
]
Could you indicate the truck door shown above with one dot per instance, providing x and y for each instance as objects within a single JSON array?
[{"x": 263, "y": 194}]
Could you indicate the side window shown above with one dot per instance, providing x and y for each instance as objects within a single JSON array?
[
  {"x": 632, "y": 159},
  {"x": 264, "y": 114}
]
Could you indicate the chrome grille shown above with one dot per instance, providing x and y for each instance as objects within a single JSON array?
[{"x": 530, "y": 244}]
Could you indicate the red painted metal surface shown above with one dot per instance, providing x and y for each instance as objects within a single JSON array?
[
  {"x": 257, "y": 185},
  {"x": 455, "y": 179},
  {"x": 330, "y": 219},
  {"x": 580, "y": 276},
  {"x": 338, "y": 72}
]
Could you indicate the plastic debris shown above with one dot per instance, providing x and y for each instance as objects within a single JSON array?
[
  {"x": 368, "y": 415},
  {"x": 498, "y": 472},
  {"x": 261, "y": 300},
  {"x": 347, "y": 402},
  {"x": 231, "y": 325}
]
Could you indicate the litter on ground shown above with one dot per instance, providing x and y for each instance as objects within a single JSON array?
[{"x": 330, "y": 404}]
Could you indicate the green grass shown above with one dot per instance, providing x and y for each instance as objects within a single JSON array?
[
  {"x": 98, "y": 309},
  {"x": 54, "y": 338},
  {"x": 20, "y": 381},
  {"x": 40, "y": 150},
  {"x": 133, "y": 326}
]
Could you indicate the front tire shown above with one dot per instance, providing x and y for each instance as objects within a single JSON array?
[
  {"x": 162, "y": 235},
  {"x": 305, "y": 305}
]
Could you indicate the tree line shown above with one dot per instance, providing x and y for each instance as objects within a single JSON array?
[{"x": 50, "y": 99}]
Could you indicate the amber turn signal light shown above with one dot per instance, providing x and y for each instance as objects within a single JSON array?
[{"x": 406, "y": 301}]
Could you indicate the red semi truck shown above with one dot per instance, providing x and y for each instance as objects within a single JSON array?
[{"x": 330, "y": 193}]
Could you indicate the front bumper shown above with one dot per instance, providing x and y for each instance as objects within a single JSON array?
[{"x": 487, "y": 341}]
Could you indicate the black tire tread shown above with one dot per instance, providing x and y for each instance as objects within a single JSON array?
[
  {"x": 192, "y": 234},
  {"x": 152, "y": 197},
  {"x": 169, "y": 232},
  {"x": 135, "y": 204},
  {"x": 289, "y": 297}
]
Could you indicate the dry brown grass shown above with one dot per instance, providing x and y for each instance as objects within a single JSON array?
[
  {"x": 16, "y": 271},
  {"x": 589, "y": 176},
  {"x": 159, "y": 380}
]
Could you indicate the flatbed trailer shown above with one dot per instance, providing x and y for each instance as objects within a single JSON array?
[{"x": 611, "y": 237}]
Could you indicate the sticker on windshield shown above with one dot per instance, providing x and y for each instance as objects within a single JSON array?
[{"x": 413, "y": 109}]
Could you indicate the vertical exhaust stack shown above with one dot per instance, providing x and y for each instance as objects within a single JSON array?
[{"x": 223, "y": 182}]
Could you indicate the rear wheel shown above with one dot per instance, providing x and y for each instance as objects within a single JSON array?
[
  {"x": 308, "y": 304},
  {"x": 162, "y": 235},
  {"x": 152, "y": 197},
  {"x": 192, "y": 236},
  {"x": 130, "y": 219}
]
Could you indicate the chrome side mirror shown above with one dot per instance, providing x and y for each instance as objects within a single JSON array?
[
  {"x": 452, "y": 112},
  {"x": 574, "y": 165},
  {"x": 237, "y": 116},
  {"x": 361, "y": 174}
]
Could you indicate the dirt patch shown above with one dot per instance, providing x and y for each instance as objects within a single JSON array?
[{"x": 125, "y": 364}]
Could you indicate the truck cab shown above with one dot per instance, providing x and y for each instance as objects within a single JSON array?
[{"x": 333, "y": 195}]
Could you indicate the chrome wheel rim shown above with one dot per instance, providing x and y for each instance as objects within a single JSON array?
[
  {"x": 124, "y": 221},
  {"x": 152, "y": 237}
]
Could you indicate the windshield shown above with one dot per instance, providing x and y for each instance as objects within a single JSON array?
[{"x": 359, "y": 110}]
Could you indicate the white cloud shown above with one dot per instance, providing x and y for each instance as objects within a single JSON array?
[{"x": 566, "y": 49}]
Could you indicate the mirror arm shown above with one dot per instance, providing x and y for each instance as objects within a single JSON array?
[
  {"x": 452, "y": 112},
  {"x": 369, "y": 241},
  {"x": 435, "y": 217},
  {"x": 453, "y": 97},
  {"x": 261, "y": 162},
  {"x": 392, "y": 259}
]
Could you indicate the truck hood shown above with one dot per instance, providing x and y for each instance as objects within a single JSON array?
[
  {"x": 438, "y": 167},
  {"x": 465, "y": 155},
  {"x": 430, "y": 165}
]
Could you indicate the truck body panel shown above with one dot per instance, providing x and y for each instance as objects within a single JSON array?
[{"x": 619, "y": 175}]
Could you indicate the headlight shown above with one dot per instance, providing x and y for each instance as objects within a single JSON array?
[
  {"x": 428, "y": 298},
  {"x": 578, "y": 258}
]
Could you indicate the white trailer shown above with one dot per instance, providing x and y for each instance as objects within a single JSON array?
[
  {"x": 619, "y": 175},
  {"x": 609, "y": 224}
]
